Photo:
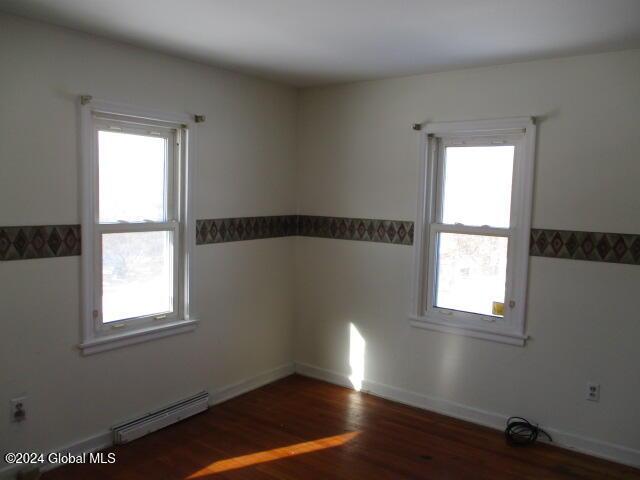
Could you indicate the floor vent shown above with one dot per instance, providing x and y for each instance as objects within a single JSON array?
[{"x": 125, "y": 432}]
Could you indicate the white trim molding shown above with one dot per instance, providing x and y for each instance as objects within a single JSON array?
[
  {"x": 179, "y": 127},
  {"x": 469, "y": 331},
  {"x": 509, "y": 325},
  {"x": 561, "y": 438},
  {"x": 264, "y": 378},
  {"x": 111, "y": 342}
]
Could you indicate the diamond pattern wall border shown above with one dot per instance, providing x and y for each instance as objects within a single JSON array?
[
  {"x": 399, "y": 232},
  {"x": 21, "y": 243},
  {"x": 46, "y": 241},
  {"x": 221, "y": 230},
  {"x": 593, "y": 246},
  {"x": 250, "y": 228}
]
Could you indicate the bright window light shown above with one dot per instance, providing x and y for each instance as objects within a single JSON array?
[
  {"x": 471, "y": 272},
  {"x": 477, "y": 185},
  {"x": 133, "y": 177},
  {"x": 137, "y": 275}
]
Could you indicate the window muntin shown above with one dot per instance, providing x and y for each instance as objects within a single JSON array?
[{"x": 137, "y": 224}]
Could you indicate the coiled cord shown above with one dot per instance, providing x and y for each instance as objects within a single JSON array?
[{"x": 520, "y": 432}]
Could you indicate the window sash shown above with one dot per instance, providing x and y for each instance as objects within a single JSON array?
[
  {"x": 457, "y": 317},
  {"x": 172, "y": 208},
  {"x": 493, "y": 140},
  {"x": 153, "y": 318},
  {"x": 172, "y": 167}
]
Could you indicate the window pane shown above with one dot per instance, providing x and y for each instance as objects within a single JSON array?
[
  {"x": 471, "y": 272},
  {"x": 132, "y": 170},
  {"x": 477, "y": 185},
  {"x": 137, "y": 274}
]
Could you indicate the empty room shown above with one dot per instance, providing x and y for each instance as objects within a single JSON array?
[{"x": 331, "y": 239}]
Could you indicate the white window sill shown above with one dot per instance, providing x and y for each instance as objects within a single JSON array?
[
  {"x": 501, "y": 337},
  {"x": 110, "y": 342}
]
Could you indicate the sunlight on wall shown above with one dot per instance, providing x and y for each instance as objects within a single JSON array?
[
  {"x": 357, "y": 347},
  {"x": 271, "y": 455}
]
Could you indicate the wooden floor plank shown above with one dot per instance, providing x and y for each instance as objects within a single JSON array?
[{"x": 301, "y": 428}]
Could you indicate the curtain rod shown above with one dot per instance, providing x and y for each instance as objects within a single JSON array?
[{"x": 86, "y": 99}]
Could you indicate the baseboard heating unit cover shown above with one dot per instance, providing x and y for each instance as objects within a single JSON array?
[{"x": 125, "y": 432}]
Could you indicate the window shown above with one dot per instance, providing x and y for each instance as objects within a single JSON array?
[
  {"x": 472, "y": 233},
  {"x": 136, "y": 232}
]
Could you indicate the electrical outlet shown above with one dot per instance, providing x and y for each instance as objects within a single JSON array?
[
  {"x": 18, "y": 409},
  {"x": 593, "y": 392}
]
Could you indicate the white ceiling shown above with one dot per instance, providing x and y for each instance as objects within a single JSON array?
[{"x": 311, "y": 42}]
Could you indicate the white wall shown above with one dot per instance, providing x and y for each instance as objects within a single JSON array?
[
  {"x": 245, "y": 166},
  {"x": 358, "y": 157}
]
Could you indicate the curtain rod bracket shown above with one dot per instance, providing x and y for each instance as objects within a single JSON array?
[
  {"x": 199, "y": 118},
  {"x": 417, "y": 127},
  {"x": 85, "y": 99}
]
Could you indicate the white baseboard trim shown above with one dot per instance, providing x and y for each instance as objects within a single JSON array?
[
  {"x": 590, "y": 446},
  {"x": 230, "y": 391},
  {"x": 104, "y": 439}
]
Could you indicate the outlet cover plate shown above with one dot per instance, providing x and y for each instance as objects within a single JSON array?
[
  {"x": 13, "y": 406},
  {"x": 593, "y": 392}
]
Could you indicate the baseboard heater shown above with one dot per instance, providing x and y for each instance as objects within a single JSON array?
[{"x": 125, "y": 432}]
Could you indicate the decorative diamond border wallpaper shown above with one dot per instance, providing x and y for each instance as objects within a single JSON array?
[
  {"x": 46, "y": 241},
  {"x": 251, "y": 228},
  {"x": 399, "y": 232},
  {"x": 221, "y": 230},
  {"x": 593, "y": 246},
  {"x": 21, "y": 243}
]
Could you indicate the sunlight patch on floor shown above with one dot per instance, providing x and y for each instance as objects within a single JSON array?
[{"x": 275, "y": 454}]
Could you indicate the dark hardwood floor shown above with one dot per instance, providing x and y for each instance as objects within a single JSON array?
[{"x": 299, "y": 428}]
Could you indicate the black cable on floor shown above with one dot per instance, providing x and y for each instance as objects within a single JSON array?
[{"x": 520, "y": 432}]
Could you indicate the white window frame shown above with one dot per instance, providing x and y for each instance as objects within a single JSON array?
[
  {"x": 178, "y": 129},
  {"x": 434, "y": 137}
]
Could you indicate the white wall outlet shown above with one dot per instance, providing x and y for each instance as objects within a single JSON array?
[
  {"x": 593, "y": 392},
  {"x": 18, "y": 409}
]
